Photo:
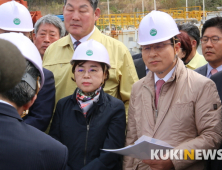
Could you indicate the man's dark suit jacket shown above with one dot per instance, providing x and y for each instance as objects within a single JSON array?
[
  {"x": 217, "y": 78},
  {"x": 41, "y": 111},
  {"x": 24, "y": 147},
  {"x": 202, "y": 70},
  {"x": 137, "y": 56},
  {"x": 140, "y": 67}
]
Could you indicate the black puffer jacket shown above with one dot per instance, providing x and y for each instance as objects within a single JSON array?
[{"x": 104, "y": 127}]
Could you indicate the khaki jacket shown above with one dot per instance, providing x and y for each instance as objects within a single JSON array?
[
  {"x": 122, "y": 74},
  {"x": 187, "y": 115}
]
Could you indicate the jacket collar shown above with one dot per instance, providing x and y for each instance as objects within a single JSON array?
[
  {"x": 194, "y": 61},
  {"x": 8, "y": 110},
  {"x": 68, "y": 41},
  {"x": 149, "y": 79}
]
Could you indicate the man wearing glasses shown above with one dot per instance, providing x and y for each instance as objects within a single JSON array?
[
  {"x": 211, "y": 47},
  {"x": 172, "y": 103}
]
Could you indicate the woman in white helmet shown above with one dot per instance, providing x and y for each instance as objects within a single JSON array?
[
  {"x": 172, "y": 103},
  {"x": 90, "y": 120}
]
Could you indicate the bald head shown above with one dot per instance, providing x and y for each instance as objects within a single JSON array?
[{"x": 12, "y": 65}]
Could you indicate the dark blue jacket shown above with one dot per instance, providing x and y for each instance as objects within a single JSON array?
[
  {"x": 23, "y": 147},
  {"x": 41, "y": 111},
  {"x": 103, "y": 128},
  {"x": 217, "y": 78}
]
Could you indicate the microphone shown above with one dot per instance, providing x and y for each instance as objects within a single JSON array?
[{"x": 12, "y": 65}]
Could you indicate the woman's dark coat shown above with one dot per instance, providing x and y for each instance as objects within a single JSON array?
[{"x": 103, "y": 128}]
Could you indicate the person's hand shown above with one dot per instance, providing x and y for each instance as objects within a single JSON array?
[{"x": 159, "y": 164}]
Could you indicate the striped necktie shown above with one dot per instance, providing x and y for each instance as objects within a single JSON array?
[{"x": 76, "y": 44}]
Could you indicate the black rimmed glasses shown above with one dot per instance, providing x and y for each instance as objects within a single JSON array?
[{"x": 213, "y": 39}]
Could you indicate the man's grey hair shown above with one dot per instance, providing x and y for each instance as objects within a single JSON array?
[
  {"x": 93, "y": 3},
  {"x": 51, "y": 19},
  {"x": 22, "y": 93},
  {"x": 192, "y": 30}
]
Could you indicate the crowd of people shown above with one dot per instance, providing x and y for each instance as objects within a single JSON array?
[{"x": 73, "y": 91}]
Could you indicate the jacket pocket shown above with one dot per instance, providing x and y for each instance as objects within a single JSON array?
[{"x": 183, "y": 123}]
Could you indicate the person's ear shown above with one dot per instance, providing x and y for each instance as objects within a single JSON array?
[
  {"x": 193, "y": 43},
  {"x": 33, "y": 37},
  {"x": 97, "y": 13},
  {"x": 177, "y": 47},
  {"x": 30, "y": 103},
  {"x": 104, "y": 78},
  {"x": 74, "y": 78}
]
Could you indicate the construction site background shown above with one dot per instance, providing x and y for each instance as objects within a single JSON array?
[{"x": 123, "y": 6}]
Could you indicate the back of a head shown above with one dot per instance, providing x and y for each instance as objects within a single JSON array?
[
  {"x": 192, "y": 30},
  {"x": 12, "y": 65},
  {"x": 185, "y": 44},
  {"x": 51, "y": 19},
  {"x": 15, "y": 17},
  {"x": 26, "y": 89},
  {"x": 213, "y": 22}
]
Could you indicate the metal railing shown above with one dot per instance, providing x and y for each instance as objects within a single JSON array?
[{"x": 121, "y": 21}]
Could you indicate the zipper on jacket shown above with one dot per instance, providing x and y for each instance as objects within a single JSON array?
[
  {"x": 156, "y": 108},
  {"x": 86, "y": 143},
  {"x": 87, "y": 138}
]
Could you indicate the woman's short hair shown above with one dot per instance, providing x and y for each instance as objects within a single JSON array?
[
  {"x": 103, "y": 65},
  {"x": 186, "y": 46}
]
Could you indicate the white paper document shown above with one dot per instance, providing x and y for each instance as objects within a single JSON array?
[{"x": 142, "y": 148}]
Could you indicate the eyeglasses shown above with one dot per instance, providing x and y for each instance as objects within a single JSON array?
[
  {"x": 91, "y": 71},
  {"x": 213, "y": 39},
  {"x": 156, "y": 47}
]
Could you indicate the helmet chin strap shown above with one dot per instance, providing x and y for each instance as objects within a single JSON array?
[{"x": 173, "y": 59}]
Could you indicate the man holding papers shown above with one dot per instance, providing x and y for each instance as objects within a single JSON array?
[{"x": 172, "y": 103}]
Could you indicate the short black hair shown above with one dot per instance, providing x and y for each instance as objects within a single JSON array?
[
  {"x": 192, "y": 30},
  {"x": 22, "y": 93},
  {"x": 213, "y": 22},
  {"x": 93, "y": 3},
  {"x": 103, "y": 65}
]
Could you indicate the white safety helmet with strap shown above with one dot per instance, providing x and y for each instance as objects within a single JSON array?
[
  {"x": 15, "y": 17},
  {"x": 156, "y": 27},
  {"x": 91, "y": 50},
  {"x": 29, "y": 51}
]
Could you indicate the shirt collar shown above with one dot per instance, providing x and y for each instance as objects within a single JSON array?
[
  {"x": 2, "y": 101},
  {"x": 193, "y": 62},
  {"x": 84, "y": 39},
  {"x": 166, "y": 78},
  {"x": 209, "y": 68}
]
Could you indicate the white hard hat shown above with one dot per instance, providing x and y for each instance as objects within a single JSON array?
[
  {"x": 156, "y": 27},
  {"x": 28, "y": 50},
  {"x": 91, "y": 50},
  {"x": 15, "y": 17}
]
